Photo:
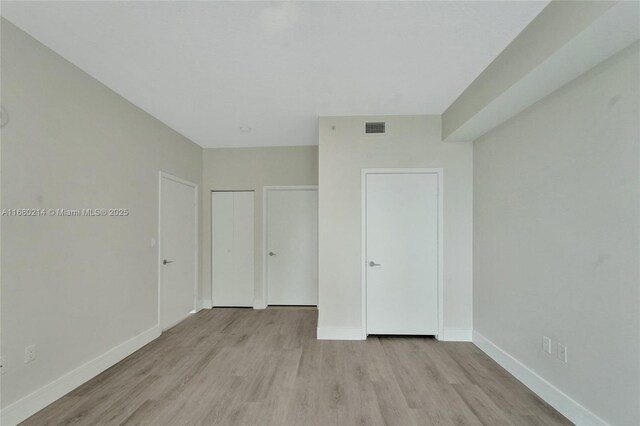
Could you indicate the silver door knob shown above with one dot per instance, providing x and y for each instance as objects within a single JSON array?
[
  {"x": 372, "y": 264},
  {"x": 164, "y": 262},
  {"x": 272, "y": 253}
]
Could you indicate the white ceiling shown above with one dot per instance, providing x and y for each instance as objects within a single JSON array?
[{"x": 208, "y": 68}]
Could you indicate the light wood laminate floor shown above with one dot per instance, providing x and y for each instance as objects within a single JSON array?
[{"x": 265, "y": 367}]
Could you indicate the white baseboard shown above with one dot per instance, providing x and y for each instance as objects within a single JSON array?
[
  {"x": 562, "y": 402},
  {"x": 457, "y": 335},
  {"x": 259, "y": 304},
  {"x": 341, "y": 333},
  {"x": 37, "y": 400}
]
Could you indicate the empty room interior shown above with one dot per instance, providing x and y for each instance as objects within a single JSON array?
[{"x": 320, "y": 213}]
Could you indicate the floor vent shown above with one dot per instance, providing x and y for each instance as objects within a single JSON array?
[{"x": 377, "y": 127}]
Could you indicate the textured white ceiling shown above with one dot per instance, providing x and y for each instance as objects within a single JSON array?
[{"x": 208, "y": 68}]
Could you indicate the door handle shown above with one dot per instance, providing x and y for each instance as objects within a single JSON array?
[
  {"x": 372, "y": 264},
  {"x": 165, "y": 262},
  {"x": 272, "y": 253}
]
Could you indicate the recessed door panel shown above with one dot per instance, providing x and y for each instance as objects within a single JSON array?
[
  {"x": 232, "y": 248},
  {"x": 402, "y": 253},
  {"x": 292, "y": 247},
  {"x": 178, "y": 251}
]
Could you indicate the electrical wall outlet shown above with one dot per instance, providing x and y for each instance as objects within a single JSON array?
[
  {"x": 3, "y": 367},
  {"x": 546, "y": 345},
  {"x": 562, "y": 352},
  {"x": 29, "y": 353}
]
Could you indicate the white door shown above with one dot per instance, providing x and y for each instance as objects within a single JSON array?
[
  {"x": 292, "y": 246},
  {"x": 232, "y": 248},
  {"x": 178, "y": 207},
  {"x": 402, "y": 253}
]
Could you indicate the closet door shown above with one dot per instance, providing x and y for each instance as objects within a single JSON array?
[{"x": 232, "y": 246}]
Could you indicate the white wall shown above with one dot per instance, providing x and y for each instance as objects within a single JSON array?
[
  {"x": 251, "y": 169},
  {"x": 76, "y": 286},
  {"x": 557, "y": 237},
  {"x": 411, "y": 141}
]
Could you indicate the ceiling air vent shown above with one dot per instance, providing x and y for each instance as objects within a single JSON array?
[{"x": 377, "y": 127}]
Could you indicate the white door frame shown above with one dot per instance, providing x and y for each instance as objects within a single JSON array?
[
  {"x": 439, "y": 173},
  {"x": 265, "y": 243},
  {"x": 165, "y": 175}
]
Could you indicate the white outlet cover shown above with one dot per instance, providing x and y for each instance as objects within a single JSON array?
[
  {"x": 562, "y": 352},
  {"x": 29, "y": 353},
  {"x": 546, "y": 344}
]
